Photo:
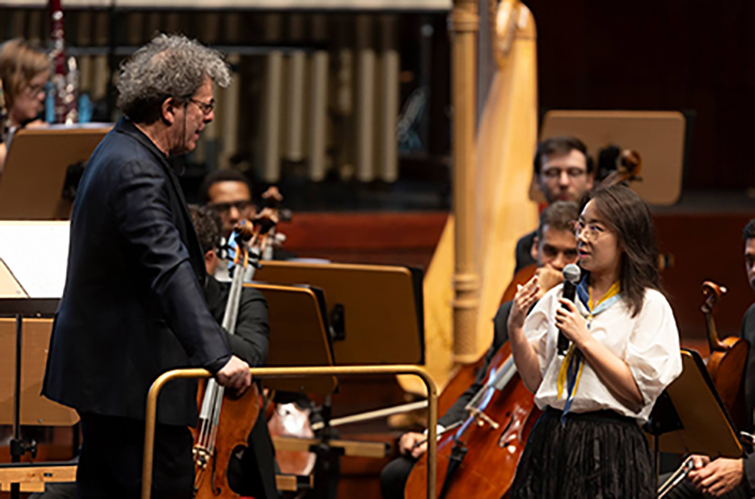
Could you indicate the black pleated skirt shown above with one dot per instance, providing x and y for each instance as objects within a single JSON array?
[{"x": 593, "y": 455}]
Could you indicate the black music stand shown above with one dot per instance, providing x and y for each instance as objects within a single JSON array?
[
  {"x": 689, "y": 417},
  {"x": 22, "y": 308},
  {"x": 296, "y": 315}
]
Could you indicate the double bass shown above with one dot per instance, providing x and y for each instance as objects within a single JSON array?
[{"x": 224, "y": 422}]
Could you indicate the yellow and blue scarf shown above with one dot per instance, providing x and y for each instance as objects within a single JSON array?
[{"x": 570, "y": 371}]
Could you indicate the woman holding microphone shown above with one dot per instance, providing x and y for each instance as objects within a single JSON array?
[{"x": 623, "y": 352}]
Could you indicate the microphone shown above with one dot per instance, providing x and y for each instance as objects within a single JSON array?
[{"x": 571, "y": 278}]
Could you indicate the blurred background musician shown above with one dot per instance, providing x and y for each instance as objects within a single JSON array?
[
  {"x": 24, "y": 71},
  {"x": 564, "y": 172},
  {"x": 229, "y": 194},
  {"x": 554, "y": 246}
]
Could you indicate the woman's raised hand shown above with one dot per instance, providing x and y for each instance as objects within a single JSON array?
[{"x": 526, "y": 296}]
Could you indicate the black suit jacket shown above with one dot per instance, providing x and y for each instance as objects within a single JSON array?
[
  {"x": 250, "y": 341},
  {"x": 500, "y": 336},
  {"x": 133, "y": 305}
]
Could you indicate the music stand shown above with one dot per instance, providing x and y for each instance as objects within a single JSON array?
[
  {"x": 375, "y": 311},
  {"x": 658, "y": 136},
  {"x": 42, "y": 170},
  {"x": 296, "y": 316},
  {"x": 23, "y": 403},
  {"x": 690, "y": 417}
]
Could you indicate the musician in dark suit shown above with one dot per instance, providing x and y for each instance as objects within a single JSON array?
[
  {"x": 133, "y": 304},
  {"x": 554, "y": 247},
  {"x": 724, "y": 477}
]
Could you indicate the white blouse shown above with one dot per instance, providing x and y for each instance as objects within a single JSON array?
[{"x": 648, "y": 343}]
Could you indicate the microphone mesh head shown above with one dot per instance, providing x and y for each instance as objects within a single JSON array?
[{"x": 572, "y": 273}]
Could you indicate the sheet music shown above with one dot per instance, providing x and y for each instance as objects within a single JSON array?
[{"x": 37, "y": 255}]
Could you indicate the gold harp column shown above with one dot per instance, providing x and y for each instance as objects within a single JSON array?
[{"x": 463, "y": 27}]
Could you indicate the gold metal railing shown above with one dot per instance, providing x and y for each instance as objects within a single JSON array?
[{"x": 264, "y": 372}]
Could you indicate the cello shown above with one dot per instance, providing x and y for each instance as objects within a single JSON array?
[
  {"x": 492, "y": 437},
  {"x": 225, "y": 423},
  {"x": 728, "y": 358}
]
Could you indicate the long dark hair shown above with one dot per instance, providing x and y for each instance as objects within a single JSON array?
[{"x": 629, "y": 218}]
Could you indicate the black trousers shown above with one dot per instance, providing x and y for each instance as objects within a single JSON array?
[
  {"x": 110, "y": 465},
  {"x": 394, "y": 476}
]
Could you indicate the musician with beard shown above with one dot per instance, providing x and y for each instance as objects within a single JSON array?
[{"x": 564, "y": 172}]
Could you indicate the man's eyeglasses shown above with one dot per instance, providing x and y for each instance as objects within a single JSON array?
[
  {"x": 554, "y": 173},
  {"x": 223, "y": 208},
  {"x": 591, "y": 231},
  {"x": 205, "y": 107}
]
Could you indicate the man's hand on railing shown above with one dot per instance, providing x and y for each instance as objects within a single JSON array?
[{"x": 235, "y": 375}]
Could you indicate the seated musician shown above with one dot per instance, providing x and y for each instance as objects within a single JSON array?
[
  {"x": 554, "y": 246},
  {"x": 229, "y": 194},
  {"x": 252, "y": 473},
  {"x": 24, "y": 71},
  {"x": 564, "y": 172},
  {"x": 723, "y": 477}
]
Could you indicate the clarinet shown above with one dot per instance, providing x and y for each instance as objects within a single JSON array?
[{"x": 65, "y": 74}]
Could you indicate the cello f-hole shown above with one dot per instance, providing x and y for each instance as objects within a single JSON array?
[{"x": 505, "y": 432}]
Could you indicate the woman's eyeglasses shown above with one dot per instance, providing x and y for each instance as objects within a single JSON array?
[{"x": 591, "y": 232}]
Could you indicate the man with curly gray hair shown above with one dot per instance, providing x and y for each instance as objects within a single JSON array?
[{"x": 133, "y": 305}]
